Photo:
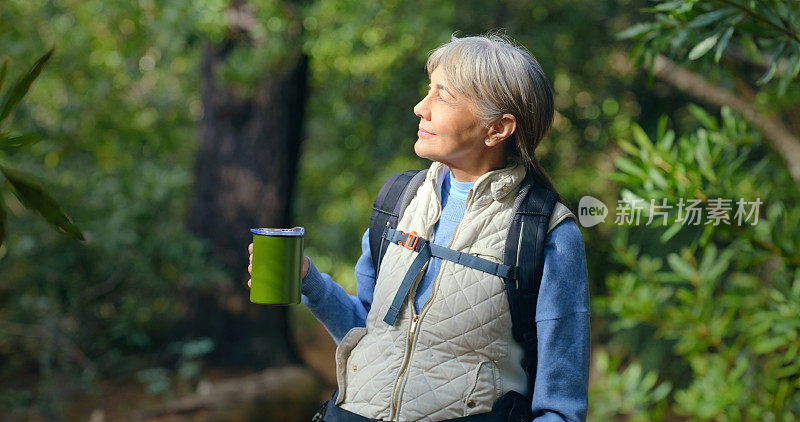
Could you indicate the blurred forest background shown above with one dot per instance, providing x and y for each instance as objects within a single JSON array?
[{"x": 166, "y": 129}]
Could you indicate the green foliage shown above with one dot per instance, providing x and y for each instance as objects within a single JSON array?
[
  {"x": 720, "y": 297},
  {"x": 26, "y": 188},
  {"x": 631, "y": 392},
  {"x": 116, "y": 114},
  {"x": 30, "y": 192},
  {"x": 766, "y": 32},
  {"x": 87, "y": 311},
  {"x": 268, "y": 34},
  {"x": 15, "y": 94},
  {"x": 729, "y": 300},
  {"x": 189, "y": 367}
]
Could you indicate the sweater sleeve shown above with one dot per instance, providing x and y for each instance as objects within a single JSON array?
[
  {"x": 332, "y": 305},
  {"x": 562, "y": 323}
]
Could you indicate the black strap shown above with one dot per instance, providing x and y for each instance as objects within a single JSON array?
[
  {"x": 411, "y": 275},
  {"x": 386, "y": 212},
  {"x": 525, "y": 248},
  {"x": 414, "y": 242},
  {"x": 427, "y": 250}
]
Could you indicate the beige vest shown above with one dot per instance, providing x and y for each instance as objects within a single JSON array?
[{"x": 456, "y": 357}]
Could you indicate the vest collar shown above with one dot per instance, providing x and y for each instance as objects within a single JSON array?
[{"x": 496, "y": 183}]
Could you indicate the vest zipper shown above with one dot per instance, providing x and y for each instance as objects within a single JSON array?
[
  {"x": 395, "y": 411},
  {"x": 412, "y": 329}
]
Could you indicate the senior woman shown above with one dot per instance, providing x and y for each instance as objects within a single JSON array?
[{"x": 450, "y": 353}]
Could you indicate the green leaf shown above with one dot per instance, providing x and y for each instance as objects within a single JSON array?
[
  {"x": 628, "y": 147},
  {"x": 767, "y": 76},
  {"x": 624, "y": 178},
  {"x": 769, "y": 344},
  {"x": 794, "y": 71},
  {"x": 9, "y": 143},
  {"x": 716, "y": 267},
  {"x": 641, "y": 138},
  {"x": 670, "y": 233},
  {"x": 709, "y": 256},
  {"x": 787, "y": 371},
  {"x": 703, "y": 47},
  {"x": 661, "y": 391},
  {"x": 32, "y": 195},
  {"x": 629, "y": 167},
  {"x": 789, "y": 74},
  {"x": 635, "y": 30},
  {"x": 703, "y": 157},
  {"x": 662, "y": 126},
  {"x": 667, "y": 140},
  {"x": 773, "y": 67},
  {"x": 657, "y": 178},
  {"x": 723, "y": 44},
  {"x": 707, "y": 18},
  {"x": 702, "y": 115},
  {"x": 19, "y": 90},
  {"x": 666, "y": 7},
  {"x": 680, "y": 266}
]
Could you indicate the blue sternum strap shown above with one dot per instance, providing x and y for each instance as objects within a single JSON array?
[
  {"x": 426, "y": 251},
  {"x": 408, "y": 281}
]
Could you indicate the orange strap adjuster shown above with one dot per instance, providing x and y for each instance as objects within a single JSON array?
[{"x": 411, "y": 240}]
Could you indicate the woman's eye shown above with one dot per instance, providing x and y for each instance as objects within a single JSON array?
[{"x": 439, "y": 97}]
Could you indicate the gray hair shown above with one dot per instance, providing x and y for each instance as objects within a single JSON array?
[{"x": 500, "y": 77}]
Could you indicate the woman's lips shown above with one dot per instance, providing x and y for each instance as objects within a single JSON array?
[{"x": 423, "y": 132}]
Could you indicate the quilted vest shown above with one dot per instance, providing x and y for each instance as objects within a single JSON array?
[{"x": 455, "y": 357}]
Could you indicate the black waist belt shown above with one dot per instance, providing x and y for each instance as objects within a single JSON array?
[{"x": 427, "y": 250}]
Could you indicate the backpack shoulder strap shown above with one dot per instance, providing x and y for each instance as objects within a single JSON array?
[
  {"x": 392, "y": 200},
  {"x": 524, "y": 250}
]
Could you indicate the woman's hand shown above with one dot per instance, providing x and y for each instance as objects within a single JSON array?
[
  {"x": 250, "y": 267},
  {"x": 305, "y": 267}
]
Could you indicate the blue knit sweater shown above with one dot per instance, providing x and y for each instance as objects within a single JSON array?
[{"x": 562, "y": 310}]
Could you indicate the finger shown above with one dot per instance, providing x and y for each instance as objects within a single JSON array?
[
  {"x": 248, "y": 282},
  {"x": 250, "y": 269},
  {"x": 250, "y": 248},
  {"x": 251, "y": 258}
]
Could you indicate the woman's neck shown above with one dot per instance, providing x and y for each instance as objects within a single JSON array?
[{"x": 472, "y": 173}]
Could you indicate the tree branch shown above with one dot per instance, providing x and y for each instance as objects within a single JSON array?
[
  {"x": 778, "y": 137},
  {"x": 763, "y": 19}
]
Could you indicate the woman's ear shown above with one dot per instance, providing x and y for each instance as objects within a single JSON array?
[{"x": 501, "y": 129}]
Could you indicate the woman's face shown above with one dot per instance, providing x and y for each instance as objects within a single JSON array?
[{"x": 449, "y": 131}]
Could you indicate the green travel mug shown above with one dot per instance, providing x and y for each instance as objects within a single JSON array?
[{"x": 277, "y": 266}]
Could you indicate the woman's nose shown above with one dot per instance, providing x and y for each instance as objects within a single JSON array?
[{"x": 420, "y": 110}]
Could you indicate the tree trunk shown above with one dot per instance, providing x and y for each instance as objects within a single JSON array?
[{"x": 245, "y": 177}]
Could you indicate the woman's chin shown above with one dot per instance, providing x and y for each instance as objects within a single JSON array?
[
  {"x": 421, "y": 149},
  {"x": 424, "y": 150}
]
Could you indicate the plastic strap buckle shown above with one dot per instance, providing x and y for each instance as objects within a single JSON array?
[{"x": 411, "y": 240}]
